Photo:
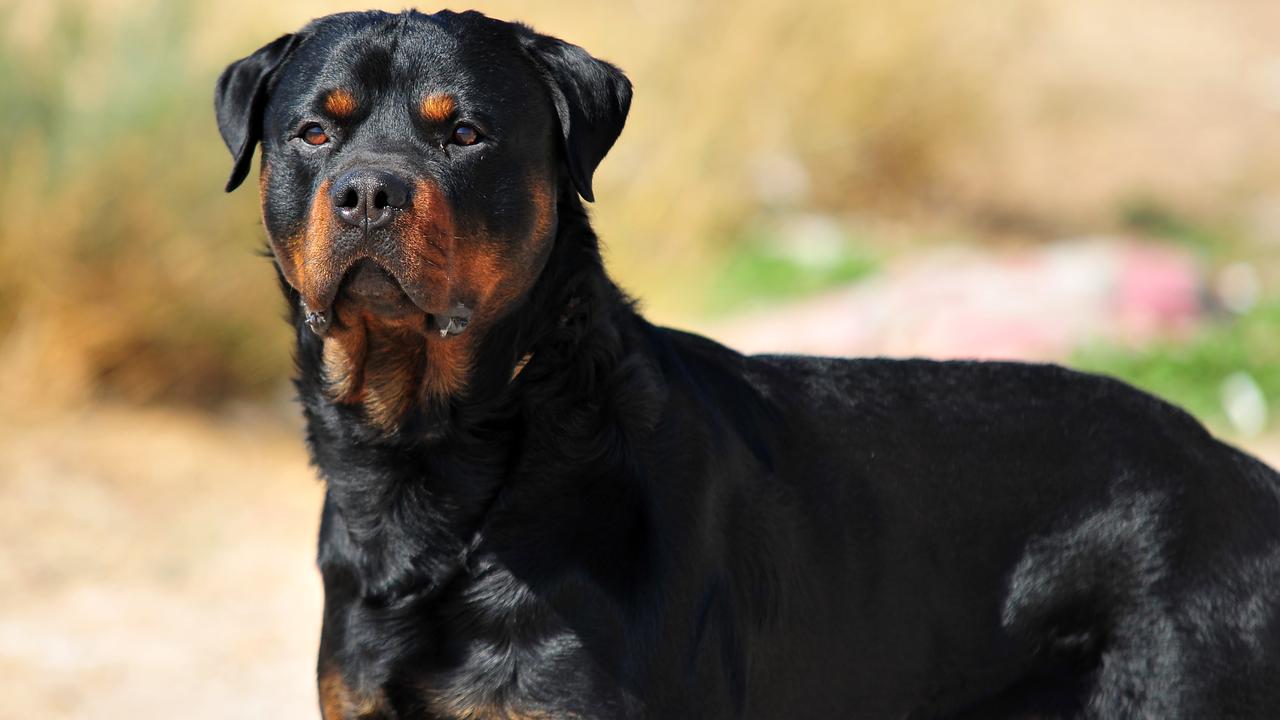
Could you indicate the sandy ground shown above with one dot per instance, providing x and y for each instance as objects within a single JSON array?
[
  {"x": 156, "y": 564},
  {"x": 159, "y": 564}
]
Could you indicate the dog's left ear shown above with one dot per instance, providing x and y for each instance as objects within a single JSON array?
[
  {"x": 591, "y": 99},
  {"x": 241, "y": 99}
]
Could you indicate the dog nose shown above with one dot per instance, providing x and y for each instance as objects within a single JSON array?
[{"x": 369, "y": 198}]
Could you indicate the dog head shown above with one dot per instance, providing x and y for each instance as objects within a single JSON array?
[{"x": 412, "y": 166}]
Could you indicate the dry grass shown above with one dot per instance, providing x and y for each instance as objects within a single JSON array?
[{"x": 124, "y": 271}]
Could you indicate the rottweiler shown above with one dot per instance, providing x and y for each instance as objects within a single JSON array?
[{"x": 539, "y": 505}]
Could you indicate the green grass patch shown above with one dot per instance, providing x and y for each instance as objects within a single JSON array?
[
  {"x": 1192, "y": 374},
  {"x": 1153, "y": 218},
  {"x": 770, "y": 265}
]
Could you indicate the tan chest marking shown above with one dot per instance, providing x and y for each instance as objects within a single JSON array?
[{"x": 339, "y": 702}]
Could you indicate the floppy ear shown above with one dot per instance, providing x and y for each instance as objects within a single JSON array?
[
  {"x": 241, "y": 98},
  {"x": 591, "y": 99}
]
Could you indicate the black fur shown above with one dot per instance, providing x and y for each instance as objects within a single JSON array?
[{"x": 645, "y": 524}]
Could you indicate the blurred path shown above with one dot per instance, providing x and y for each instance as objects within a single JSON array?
[
  {"x": 156, "y": 564},
  {"x": 1038, "y": 303}
]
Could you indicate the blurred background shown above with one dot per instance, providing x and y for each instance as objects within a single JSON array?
[{"x": 1081, "y": 181}]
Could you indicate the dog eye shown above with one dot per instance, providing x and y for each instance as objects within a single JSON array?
[
  {"x": 465, "y": 135},
  {"x": 313, "y": 134}
]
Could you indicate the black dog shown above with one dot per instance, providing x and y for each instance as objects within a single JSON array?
[{"x": 541, "y": 506}]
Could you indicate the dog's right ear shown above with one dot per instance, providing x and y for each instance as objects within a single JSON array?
[{"x": 241, "y": 99}]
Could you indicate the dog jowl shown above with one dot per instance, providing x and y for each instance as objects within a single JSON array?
[{"x": 410, "y": 171}]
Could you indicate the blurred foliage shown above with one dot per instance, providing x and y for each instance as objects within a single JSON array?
[
  {"x": 122, "y": 266},
  {"x": 772, "y": 264},
  {"x": 124, "y": 271},
  {"x": 756, "y": 275},
  {"x": 1148, "y": 216},
  {"x": 1192, "y": 373}
]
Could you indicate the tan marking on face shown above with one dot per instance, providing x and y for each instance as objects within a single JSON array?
[
  {"x": 296, "y": 257},
  {"x": 497, "y": 275},
  {"x": 288, "y": 250},
  {"x": 429, "y": 236},
  {"x": 339, "y": 702},
  {"x": 544, "y": 204},
  {"x": 438, "y": 107},
  {"x": 316, "y": 251},
  {"x": 339, "y": 103},
  {"x": 482, "y": 270},
  {"x": 390, "y": 365}
]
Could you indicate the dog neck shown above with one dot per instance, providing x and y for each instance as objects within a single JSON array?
[{"x": 409, "y": 501}]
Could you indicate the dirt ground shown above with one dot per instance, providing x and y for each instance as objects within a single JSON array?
[{"x": 159, "y": 564}]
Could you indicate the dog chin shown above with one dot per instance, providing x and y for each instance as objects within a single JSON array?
[
  {"x": 372, "y": 288},
  {"x": 369, "y": 287}
]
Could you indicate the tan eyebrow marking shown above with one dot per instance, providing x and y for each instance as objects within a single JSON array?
[
  {"x": 438, "y": 107},
  {"x": 339, "y": 103}
]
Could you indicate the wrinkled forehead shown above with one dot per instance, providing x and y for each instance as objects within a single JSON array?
[{"x": 398, "y": 60}]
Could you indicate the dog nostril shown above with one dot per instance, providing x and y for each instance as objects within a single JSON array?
[
  {"x": 350, "y": 199},
  {"x": 380, "y": 200}
]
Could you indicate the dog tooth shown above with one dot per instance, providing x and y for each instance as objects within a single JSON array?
[{"x": 318, "y": 321}]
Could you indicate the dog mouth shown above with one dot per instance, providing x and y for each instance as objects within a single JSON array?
[{"x": 369, "y": 287}]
